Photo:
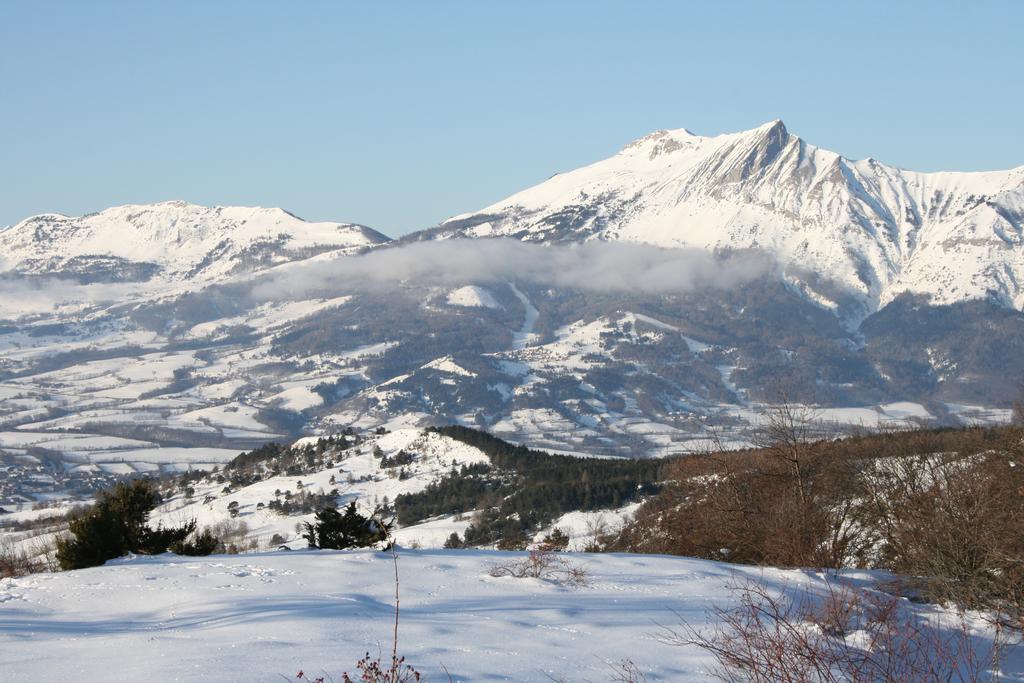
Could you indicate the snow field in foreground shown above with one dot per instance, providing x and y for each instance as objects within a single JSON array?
[{"x": 258, "y": 617}]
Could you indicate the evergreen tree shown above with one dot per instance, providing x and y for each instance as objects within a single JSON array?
[
  {"x": 556, "y": 540},
  {"x": 205, "y": 543},
  {"x": 117, "y": 524},
  {"x": 337, "y": 530}
]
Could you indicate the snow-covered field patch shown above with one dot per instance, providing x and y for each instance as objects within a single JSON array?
[
  {"x": 262, "y": 616},
  {"x": 472, "y": 296}
]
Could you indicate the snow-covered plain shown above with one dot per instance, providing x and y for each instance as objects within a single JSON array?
[{"x": 263, "y": 616}]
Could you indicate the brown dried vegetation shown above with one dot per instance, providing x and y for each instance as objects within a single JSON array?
[{"x": 942, "y": 507}]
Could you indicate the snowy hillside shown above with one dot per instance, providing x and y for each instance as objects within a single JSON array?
[
  {"x": 171, "y": 241},
  {"x": 263, "y": 616},
  {"x": 361, "y": 473},
  {"x": 357, "y": 475},
  {"x": 873, "y": 230},
  {"x": 472, "y": 296}
]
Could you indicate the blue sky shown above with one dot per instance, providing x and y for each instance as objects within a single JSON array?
[{"x": 398, "y": 115}]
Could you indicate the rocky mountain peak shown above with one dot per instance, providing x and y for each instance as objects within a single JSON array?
[{"x": 862, "y": 231}]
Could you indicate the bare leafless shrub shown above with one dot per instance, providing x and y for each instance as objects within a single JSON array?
[
  {"x": 16, "y": 561},
  {"x": 855, "y": 636},
  {"x": 627, "y": 671},
  {"x": 231, "y": 531},
  {"x": 374, "y": 671},
  {"x": 235, "y": 537},
  {"x": 786, "y": 503},
  {"x": 944, "y": 508},
  {"x": 954, "y": 524},
  {"x": 600, "y": 534},
  {"x": 542, "y": 563}
]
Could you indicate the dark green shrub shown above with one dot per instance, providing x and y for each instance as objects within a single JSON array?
[
  {"x": 336, "y": 530},
  {"x": 115, "y": 525},
  {"x": 556, "y": 540},
  {"x": 205, "y": 543}
]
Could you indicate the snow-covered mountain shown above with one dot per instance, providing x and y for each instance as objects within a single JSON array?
[
  {"x": 170, "y": 241},
  {"x": 844, "y": 229},
  {"x": 889, "y": 277}
]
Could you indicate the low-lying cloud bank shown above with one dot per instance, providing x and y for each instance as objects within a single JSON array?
[
  {"x": 32, "y": 294},
  {"x": 593, "y": 266}
]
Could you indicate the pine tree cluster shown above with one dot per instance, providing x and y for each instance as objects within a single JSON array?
[
  {"x": 117, "y": 524},
  {"x": 340, "y": 530}
]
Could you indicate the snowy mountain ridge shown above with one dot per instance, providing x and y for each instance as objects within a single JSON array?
[
  {"x": 171, "y": 240},
  {"x": 189, "y": 358},
  {"x": 850, "y": 233}
]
